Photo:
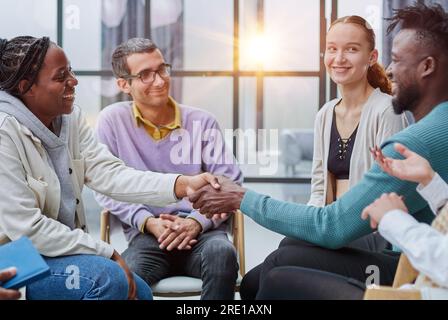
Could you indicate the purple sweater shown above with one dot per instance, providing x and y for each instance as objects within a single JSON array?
[{"x": 198, "y": 146}]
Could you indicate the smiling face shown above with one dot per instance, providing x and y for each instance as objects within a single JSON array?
[
  {"x": 403, "y": 71},
  {"x": 53, "y": 93},
  {"x": 348, "y": 54},
  {"x": 151, "y": 95}
]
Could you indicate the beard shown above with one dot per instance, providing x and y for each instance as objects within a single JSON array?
[{"x": 406, "y": 99}]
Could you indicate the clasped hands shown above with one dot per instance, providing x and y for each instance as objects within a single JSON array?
[
  {"x": 214, "y": 197},
  {"x": 173, "y": 232}
]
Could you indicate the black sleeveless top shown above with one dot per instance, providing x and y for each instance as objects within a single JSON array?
[{"x": 340, "y": 152}]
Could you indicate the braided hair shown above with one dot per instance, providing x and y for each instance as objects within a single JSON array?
[{"x": 21, "y": 58}]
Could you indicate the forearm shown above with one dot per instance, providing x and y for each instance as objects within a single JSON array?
[
  {"x": 435, "y": 192},
  {"x": 180, "y": 186},
  {"x": 50, "y": 237},
  {"x": 426, "y": 249},
  {"x": 112, "y": 178},
  {"x": 133, "y": 215},
  {"x": 335, "y": 225},
  {"x": 322, "y": 226}
]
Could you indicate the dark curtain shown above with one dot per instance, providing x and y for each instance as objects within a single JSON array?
[
  {"x": 388, "y": 6},
  {"x": 125, "y": 19}
]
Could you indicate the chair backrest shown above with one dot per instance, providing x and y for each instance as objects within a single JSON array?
[
  {"x": 188, "y": 286},
  {"x": 405, "y": 274}
]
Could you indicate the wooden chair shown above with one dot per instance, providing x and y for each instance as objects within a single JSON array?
[
  {"x": 405, "y": 274},
  {"x": 181, "y": 286}
]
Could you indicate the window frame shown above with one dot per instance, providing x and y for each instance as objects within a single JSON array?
[{"x": 236, "y": 73}]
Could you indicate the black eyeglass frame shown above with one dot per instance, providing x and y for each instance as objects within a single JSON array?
[{"x": 154, "y": 72}]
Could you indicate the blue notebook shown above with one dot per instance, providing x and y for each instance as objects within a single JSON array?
[{"x": 29, "y": 263}]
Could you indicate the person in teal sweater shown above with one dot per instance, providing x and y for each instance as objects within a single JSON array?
[{"x": 313, "y": 262}]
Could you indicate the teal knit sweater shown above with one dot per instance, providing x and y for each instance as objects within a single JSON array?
[{"x": 336, "y": 225}]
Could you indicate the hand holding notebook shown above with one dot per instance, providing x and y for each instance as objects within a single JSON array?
[
  {"x": 8, "y": 294},
  {"x": 29, "y": 264}
]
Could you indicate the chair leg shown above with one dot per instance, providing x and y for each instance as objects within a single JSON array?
[
  {"x": 405, "y": 272},
  {"x": 105, "y": 226},
  {"x": 239, "y": 232}
]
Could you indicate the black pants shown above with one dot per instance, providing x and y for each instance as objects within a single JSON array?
[
  {"x": 301, "y": 270},
  {"x": 212, "y": 259}
]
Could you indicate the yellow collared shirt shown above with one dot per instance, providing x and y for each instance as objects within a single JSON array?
[{"x": 159, "y": 132}]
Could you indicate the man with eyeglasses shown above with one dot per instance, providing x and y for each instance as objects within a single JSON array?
[{"x": 153, "y": 132}]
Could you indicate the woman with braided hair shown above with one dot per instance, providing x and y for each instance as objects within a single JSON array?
[{"x": 48, "y": 153}]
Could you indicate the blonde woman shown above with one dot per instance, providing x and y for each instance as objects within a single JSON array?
[
  {"x": 363, "y": 117},
  {"x": 346, "y": 127}
]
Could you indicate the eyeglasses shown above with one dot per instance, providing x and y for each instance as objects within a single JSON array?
[{"x": 149, "y": 76}]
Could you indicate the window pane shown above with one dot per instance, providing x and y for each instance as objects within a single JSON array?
[
  {"x": 285, "y": 147},
  {"x": 95, "y": 93},
  {"x": 290, "y": 40},
  {"x": 29, "y": 17},
  {"x": 248, "y": 35},
  {"x": 212, "y": 94},
  {"x": 167, "y": 30},
  {"x": 371, "y": 10},
  {"x": 248, "y": 103},
  {"x": 208, "y": 35},
  {"x": 82, "y": 33},
  {"x": 190, "y": 37},
  {"x": 99, "y": 27},
  {"x": 290, "y": 103}
]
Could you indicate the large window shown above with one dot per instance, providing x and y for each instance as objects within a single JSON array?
[
  {"x": 207, "y": 34},
  {"x": 257, "y": 65},
  {"x": 28, "y": 17},
  {"x": 371, "y": 10},
  {"x": 279, "y": 95}
]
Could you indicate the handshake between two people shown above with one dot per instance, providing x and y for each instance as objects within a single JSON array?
[
  {"x": 211, "y": 195},
  {"x": 215, "y": 197}
]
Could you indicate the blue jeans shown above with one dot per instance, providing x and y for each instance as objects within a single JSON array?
[{"x": 85, "y": 277}]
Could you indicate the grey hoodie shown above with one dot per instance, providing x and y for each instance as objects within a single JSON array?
[{"x": 56, "y": 147}]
